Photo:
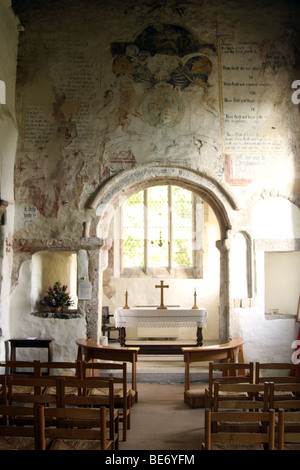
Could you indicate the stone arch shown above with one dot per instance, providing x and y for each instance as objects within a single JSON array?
[
  {"x": 127, "y": 182},
  {"x": 105, "y": 201}
]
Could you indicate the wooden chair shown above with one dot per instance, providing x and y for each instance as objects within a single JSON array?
[
  {"x": 31, "y": 390},
  {"x": 27, "y": 436},
  {"x": 235, "y": 438},
  {"x": 83, "y": 396},
  {"x": 288, "y": 430},
  {"x": 122, "y": 394},
  {"x": 277, "y": 372},
  {"x": 59, "y": 369},
  {"x": 285, "y": 395},
  {"x": 78, "y": 425},
  {"x": 108, "y": 327},
  {"x": 230, "y": 352},
  {"x": 89, "y": 350},
  {"x": 241, "y": 396},
  {"x": 227, "y": 373}
]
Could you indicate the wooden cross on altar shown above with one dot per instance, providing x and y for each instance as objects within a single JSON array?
[{"x": 162, "y": 287}]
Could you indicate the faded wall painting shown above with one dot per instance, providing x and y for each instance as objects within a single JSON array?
[
  {"x": 160, "y": 59},
  {"x": 161, "y": 78}
]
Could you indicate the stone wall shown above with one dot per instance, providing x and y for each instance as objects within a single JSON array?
[
  {"x": 113, "y": 96},
  {"x": 8, "y": 144}
]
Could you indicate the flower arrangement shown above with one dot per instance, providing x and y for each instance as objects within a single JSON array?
[{"x": 57, "y": 297}]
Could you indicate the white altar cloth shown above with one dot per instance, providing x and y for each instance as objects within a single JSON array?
[{"x": 159, "y": 318}]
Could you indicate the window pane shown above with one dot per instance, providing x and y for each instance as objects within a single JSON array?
[
  {"x": 182, "y": 223},
  {"x": 133, "y": 231},
  {"x": 158, "y": 216},
  {"x": 158, "y": 227}
]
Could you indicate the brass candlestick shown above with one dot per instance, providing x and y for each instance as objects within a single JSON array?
[
  {"x": 195, "y": 307},
  {"x": 126, "y": 300}
]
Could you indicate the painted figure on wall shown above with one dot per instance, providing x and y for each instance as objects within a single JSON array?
[{"x": 161, "y": 63}]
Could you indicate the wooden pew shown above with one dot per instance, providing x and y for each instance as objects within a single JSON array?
[
  {"x": 226, "y": 352},
  {"x": 88, "y": 350}
]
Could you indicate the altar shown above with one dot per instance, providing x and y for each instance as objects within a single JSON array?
[{"x": 160, "y": 318}]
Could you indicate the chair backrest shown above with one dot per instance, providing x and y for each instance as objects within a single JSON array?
[
  {"x": 288, "y": 428},
  {"x": 105, "y": 314},
  {"x": 58, "y": 368},
  {"x": 236, "y": 436},
  {"x": 285, "y": 395},
  {"x": 24, "y": 390},
  {"x": 243, "y": 372},
  {"x": 277, "y": 372},
  {"x": 236, "y": 396},
  {"x": 228, "y": 373},
  {"x": 78, "y": 423},
  {"x": 82, "y": 391},
  {"x": 19, "y": 367},
  {"x": 117, "y": 370},
  {"x": 11, "y": 416}
]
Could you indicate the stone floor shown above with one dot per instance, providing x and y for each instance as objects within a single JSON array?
[{"x": 162, "y": 421}]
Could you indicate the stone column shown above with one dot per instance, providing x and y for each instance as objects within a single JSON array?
[
  {"x": 93, "y": 306},
  {"x": 224, "y": 314}
]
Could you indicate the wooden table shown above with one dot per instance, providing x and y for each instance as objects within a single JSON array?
[
  {"x": 88, "y": 350},
  {"x": 226, "y": 352},
  {"x": 45, "y": 343}
]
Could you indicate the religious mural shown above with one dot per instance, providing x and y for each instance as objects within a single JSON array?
[{"x": 164, "y": 60}]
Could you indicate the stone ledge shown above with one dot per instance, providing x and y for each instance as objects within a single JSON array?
[
  {"x": 57, "y": 315},
  {"x": 279, "y": 316},
  {"x": 32, "y": 245}
]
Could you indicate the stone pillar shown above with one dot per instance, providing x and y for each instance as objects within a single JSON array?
[
  {"x": 93, "y": 306},
  {"x": 224, "y": 314}
]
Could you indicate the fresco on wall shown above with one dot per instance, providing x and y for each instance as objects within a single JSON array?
[{"x": 164, "y": 61}]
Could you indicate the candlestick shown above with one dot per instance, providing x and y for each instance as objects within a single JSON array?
[
  {"x": 195, "y": 307},
  {"x": 126, "y": 300}
]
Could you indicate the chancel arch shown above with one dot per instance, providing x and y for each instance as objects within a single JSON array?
[{"x": 111, "y": 196}]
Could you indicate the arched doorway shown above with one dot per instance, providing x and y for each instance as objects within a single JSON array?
[{"x": 106, "y": 202}]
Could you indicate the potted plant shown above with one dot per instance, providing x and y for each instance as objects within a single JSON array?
[{"x": 57, "y": 297}]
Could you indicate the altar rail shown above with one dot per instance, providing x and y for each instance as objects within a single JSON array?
[{"x": 226, "y": 352}]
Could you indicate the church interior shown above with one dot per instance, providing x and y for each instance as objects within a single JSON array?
[{"x": 150, "y": 163}]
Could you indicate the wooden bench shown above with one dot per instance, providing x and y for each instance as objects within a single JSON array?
[{"x": 226, "y": 352}]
